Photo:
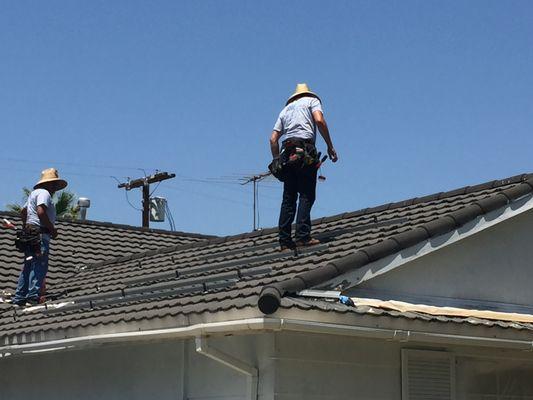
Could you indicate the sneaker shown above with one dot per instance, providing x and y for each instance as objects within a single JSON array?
[{"x": 306, "y": 243}]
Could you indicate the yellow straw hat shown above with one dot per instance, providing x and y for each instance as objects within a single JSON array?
[
  {"x": 302, "y": 90},
  {"x": 50, "y": 175}
]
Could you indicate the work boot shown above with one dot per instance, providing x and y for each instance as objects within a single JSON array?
[
  {"x": 32, "y": 302},
  {"x": 19, "y": 303},
  {"x": 287, "y": 247},
  {"x": 308, "y": 242}
]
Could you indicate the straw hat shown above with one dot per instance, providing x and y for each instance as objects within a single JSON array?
[
  {"x": 50, "y": 175},
  {"x": 302, "y": 90}
]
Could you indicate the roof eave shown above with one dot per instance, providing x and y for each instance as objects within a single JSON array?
[{"x": 300, "y": 321}]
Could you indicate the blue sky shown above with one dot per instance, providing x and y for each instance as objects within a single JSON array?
[{"x": 420, "y": 96}]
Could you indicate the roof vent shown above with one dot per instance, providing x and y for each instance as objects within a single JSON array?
[{"x": 83, "y": 203}]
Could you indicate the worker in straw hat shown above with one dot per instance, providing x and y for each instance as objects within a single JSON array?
[
  {"x": 296, "y": 164},
  {"x": 38, "y": 224}
]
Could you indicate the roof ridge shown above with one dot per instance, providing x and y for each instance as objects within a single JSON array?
[
  {"x": 270, "y": 297},
  {"x": 431, "y": 197},
  {"x": 262, "y": 232},
  {"x": 122, "y": 226},
  {"x": 212, "y": 239}
]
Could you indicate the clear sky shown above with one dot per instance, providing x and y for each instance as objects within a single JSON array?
[{"x": 421, "y": 97}]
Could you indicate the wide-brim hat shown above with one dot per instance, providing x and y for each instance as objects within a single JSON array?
[
  {"x": 302, "y": 90},
  {"x": 48, "y": 176}
]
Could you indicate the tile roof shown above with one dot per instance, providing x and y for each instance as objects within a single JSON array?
[
  {"x": 85, "y": 242},
  {"x": 160, "y": 287}
]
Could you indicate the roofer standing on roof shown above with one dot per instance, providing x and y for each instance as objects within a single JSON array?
[
  {"x": 38, "y": 219},
  {"x": 297, "y": 162}
]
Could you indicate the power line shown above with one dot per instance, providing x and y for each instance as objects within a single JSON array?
[
  {"x": 170, "y": 218},
  {"x": 129, "y": 202},
  {"x": 72, "y": 164}
]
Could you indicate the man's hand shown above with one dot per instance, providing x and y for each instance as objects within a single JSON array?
[
  {"x": 332, "y": 154},
  {"x": 324, "y": 131},
  {"x": 53, "y": 233}
]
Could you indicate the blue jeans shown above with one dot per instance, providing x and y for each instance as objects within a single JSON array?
[
  {"x": 31, "y": 279},
  {"x": 299, "y": 186}
]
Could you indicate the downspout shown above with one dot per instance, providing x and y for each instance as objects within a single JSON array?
[{"x": 251, "y": 373}]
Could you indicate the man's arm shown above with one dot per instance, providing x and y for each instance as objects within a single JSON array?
[
  {"x": 324, "y": 131},
  {"x": 43, "y": 217},
  {"x": 274, "y": 145}
]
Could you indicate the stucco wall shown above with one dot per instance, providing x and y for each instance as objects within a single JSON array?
[
  {"x": 139, "y": 372},
  {"x": 494, "y": 265},
  {"x": 329, "y": 367},
  {"x": 325, "y": 367},
  {"x": 170, "y": 370},
  {"x": 208, "y": 379}
]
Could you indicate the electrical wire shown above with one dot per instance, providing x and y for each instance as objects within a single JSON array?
[
  {"x": 170, "y": 218},
  {"x": 131, "y": 205},
  {"x": 210, "y": 196},
  {"x": 102, "y": 166},
  {"x": 156, "y": 186}
]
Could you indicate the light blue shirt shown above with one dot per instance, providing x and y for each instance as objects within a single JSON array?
[
  {"x": 40, "y": 197},
  {"x": 296, "y": 119}
]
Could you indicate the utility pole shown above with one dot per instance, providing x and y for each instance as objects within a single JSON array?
[{"x": 145, "y": 184}]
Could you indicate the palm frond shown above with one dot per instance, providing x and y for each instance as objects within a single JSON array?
[
  {"x": 14, "y": 207},
  {"x": 65, "y": 207},
  {"x": 18, "y": 207},
  {"x": 65, "y": 203}
]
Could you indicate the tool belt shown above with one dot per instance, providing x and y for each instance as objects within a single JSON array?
[
  {"x": 29, "y": 238},
  {"x": 295, "y": 153}
]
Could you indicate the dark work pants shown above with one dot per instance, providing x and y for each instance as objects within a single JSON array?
[{"x": 302, "y": 182}]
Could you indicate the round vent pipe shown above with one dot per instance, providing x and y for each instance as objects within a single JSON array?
[{"x": 83, "y": 203}]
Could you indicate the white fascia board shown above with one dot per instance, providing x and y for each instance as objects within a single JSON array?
[{"x": 386, "y": 264}]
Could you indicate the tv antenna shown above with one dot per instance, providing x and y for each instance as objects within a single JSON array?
[
  {"x": 255, "y": 179},
  {"x": 145, "y": 184}
]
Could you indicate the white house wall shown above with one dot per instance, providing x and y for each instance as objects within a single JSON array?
[
  {"x": 208, "y": 379},
  {"x": 291, "y": 366},
  {"x": 326, "y": 367},
  {"x": 333, "y": 367},
  {"x": 148, "y": 371},
  {"x": 169, "y": 370},
  {"x": 493, "y": 265}
]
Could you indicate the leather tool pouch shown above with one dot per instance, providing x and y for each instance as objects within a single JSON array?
[
  {"x": 28, "y": 239},
  {"x": 294, "y": 154},
  {"x": 276, "y": 169},
  {"x": 299, "y": 153}
]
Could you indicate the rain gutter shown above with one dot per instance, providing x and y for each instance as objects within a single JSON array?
[{"x": 266, "y": 324}]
